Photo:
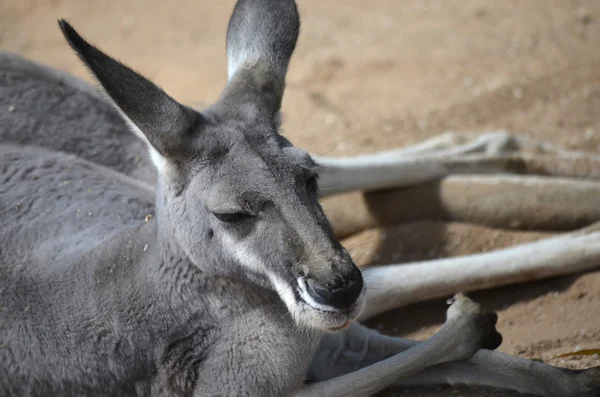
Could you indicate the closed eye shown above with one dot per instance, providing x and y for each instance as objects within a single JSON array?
[{"x": 233, "y": 217}]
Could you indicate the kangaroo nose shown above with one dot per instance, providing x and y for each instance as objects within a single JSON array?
[{"x": 341, "y": 293}]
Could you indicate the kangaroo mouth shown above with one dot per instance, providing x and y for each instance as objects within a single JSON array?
[
  {"x": 315, "y": 301},
  {"x": 305, "y": 297},
  {"x": 337, "y": 318},
  {"x": 341, "y": 327},
  {"x": 307, "y": 311}
]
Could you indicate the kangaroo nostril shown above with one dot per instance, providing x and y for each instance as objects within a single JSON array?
[
  {"x": 318, "y": 291},
  {"x": 341, "y": 294}
]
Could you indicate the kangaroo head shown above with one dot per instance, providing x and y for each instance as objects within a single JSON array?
[{"x": 233, "y": 194}]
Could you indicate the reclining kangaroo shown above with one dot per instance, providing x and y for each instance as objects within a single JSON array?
[{"x": 236, "y": 284}]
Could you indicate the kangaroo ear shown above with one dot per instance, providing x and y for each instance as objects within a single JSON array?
[
  {"x": 153, "y": 115},
  {"x": 261, "y": 38}
]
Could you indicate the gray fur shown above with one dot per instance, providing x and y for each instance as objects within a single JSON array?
[
  {"x": 48, "y": 108},
  {"x": 264, "y": 31},
  {"x": 360, "y": 347},
  {"x": 97, "y": 301},
  {"x": 113, "y": 283}
]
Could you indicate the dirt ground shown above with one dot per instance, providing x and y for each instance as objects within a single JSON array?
[{"x": 378, "y": 74}]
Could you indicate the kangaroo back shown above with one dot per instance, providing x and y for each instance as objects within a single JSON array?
[{"x": 47, "y": 108}]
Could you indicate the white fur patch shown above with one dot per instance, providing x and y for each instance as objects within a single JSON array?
[
  {"x": 161, "y": 163},
  {"x": 285, "y": 292},
  {"x": 242, "y": 59},
  {"x": 251, "y": 261},
  {"x": 243, "y": 255}
]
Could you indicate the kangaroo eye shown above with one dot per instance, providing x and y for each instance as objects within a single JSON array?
[{"x": 233, "y": 217}]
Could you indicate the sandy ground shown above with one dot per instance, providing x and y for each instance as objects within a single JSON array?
[{"x": 371, "y": 75}]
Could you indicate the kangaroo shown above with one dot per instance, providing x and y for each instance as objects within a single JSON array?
[{"x": 235, "y": 285}]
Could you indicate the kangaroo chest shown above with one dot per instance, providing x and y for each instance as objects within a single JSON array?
[{"x": 262, "y": 344}]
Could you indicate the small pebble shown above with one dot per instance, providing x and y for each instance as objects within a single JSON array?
[
  {"x": 589, "y": 133},
  {"x": 330, "y": 119},
  {"x": 481, "y": 12},
  {"x": 387, "y": 128},
  {"x": 518, "y": 93},
  {"x": 585, "y": 17}
]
